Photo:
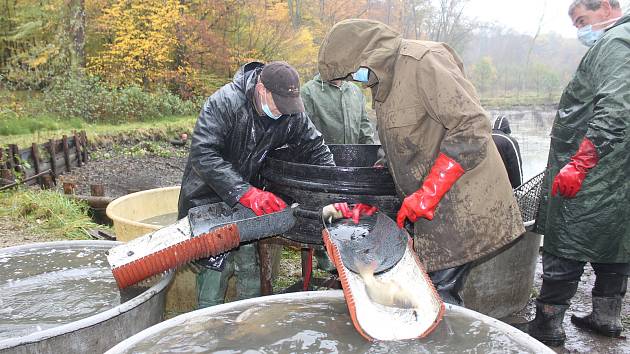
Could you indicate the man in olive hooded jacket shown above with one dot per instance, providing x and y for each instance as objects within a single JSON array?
[
  {"x": 584, "y": 212},
  {"x": 438, "y": 143}
]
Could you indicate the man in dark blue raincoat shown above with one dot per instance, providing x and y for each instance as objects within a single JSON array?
[
  {"x": 259, "y": 111},
  {"x": 584, "y": 212}
]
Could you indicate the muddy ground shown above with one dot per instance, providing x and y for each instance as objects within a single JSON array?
[
  {"x": 124, "y": 170},
  {"x": 13, "y": 233},
  {"x": 579, "y": 341}
]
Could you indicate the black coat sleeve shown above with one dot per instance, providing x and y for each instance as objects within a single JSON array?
[
  {"x": 514, "y": 164},
  {"x": 307, "y": 143},
  {"x": 511, "y": 156},
  {"x": 206, "y": 151}
]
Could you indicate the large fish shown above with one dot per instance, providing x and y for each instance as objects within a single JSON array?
[{"x": 386, "y": 292}]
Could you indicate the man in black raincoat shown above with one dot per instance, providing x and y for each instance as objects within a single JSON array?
[
  {"x": 584, "y": 212},
  {"x": 259, "y": 111},
  {"x": 508, "y": 149}
]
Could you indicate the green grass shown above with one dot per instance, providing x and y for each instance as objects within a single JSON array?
[
  {"x": 47, "y": 212},
  {"x": 96, "y": 132},
  {"x": 289, "y": 271},
  {"x": 33, "y": 125}
]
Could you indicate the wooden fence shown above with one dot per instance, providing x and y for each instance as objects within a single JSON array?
[{"x": 42, "y": 163}]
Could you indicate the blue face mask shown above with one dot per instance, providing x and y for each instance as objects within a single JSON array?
[
  {"x": 267, "y": 110},
  {"x": 588, "y": 36},
  {"x": 361, "y": 75}
]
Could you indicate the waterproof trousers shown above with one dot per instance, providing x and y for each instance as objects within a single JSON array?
[
  {"x": 449, "y": 282},
  {"x": 243, "y": 265},
  {"x": 561, "y": 277},
  {"x": 323, "y": 261}
]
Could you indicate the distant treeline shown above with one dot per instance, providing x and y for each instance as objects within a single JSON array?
[{"x": 191, "y": 47}]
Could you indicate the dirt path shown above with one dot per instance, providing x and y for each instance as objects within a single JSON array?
[{"x": 14, "y": 233}]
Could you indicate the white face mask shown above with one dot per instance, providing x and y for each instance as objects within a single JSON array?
[
  {"x": 267, "y": 110},
  {"x": 588, "y": 36}
]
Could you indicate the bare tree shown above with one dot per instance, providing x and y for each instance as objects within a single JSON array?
[
  {"x": 295, "y": 12},
  {"x": 448, "y": 24},
  {"x": 77, "y": 32},
  {"x": 414, "y": 14}
]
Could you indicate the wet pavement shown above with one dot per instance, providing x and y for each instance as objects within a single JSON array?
[{"x": 578, "y": 340}]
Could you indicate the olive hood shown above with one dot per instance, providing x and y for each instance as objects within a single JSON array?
[{"x": 353, "y": 43}]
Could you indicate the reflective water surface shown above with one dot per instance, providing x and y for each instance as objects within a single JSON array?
[
  {"x": 161, "y": 220},
  {"x": 531, "y": 128},
  {"x": 45, "y": 288},
  {"x": 316, "y": 326}
]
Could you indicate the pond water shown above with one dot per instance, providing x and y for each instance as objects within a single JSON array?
[
  {"x": 41, "y": 288},
  {"x": 531, "y": 128},
  {"x": 161, "y": 220},
  {"x": 316, "y": 326}
]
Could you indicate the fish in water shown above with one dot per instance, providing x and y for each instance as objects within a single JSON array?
[{"x": 386, "y": 292}]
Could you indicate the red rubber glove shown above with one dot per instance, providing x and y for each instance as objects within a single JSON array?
[
  {"x": 362, "y": 209},
  {"x": 261, "y": 202},
  {"x": 569, "y": 180},
  {"x": 344, "y": 209},
  {"x": 356, "y": 211},
  {"x": 422, "y": 203}
]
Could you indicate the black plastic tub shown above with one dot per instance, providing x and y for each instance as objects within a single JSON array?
[{"x": 353, "y": 180}]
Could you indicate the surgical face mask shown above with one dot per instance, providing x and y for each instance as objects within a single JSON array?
[
  {"x": 267, "y": 110},
  {"x": 361, "y": 75},
  {"x": 587, "y": 36}
]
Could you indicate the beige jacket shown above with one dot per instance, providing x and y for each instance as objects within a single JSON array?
[{"x": 424, "y": 106}]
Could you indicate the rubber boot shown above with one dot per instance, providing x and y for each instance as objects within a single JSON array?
[
  {"x": 547, "y": 325},
  {"x": 605, "y": 318},
  {"x": 449, "y": 283},
  {"x": 608, "y": 294}
]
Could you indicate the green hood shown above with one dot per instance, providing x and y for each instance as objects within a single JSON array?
[{"x": 353, "y": 43}]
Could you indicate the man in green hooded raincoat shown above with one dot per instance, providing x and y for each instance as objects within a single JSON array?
[
  {"x": 584, "y": 211},
  {"x": 337, "y": 108}
]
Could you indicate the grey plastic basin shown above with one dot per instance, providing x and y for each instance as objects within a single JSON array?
[
  {"x": 98, "y": 332},
  {"x": 242, "y": 331}
]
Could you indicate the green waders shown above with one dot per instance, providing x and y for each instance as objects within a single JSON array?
[{"x": 243, "y": 264}]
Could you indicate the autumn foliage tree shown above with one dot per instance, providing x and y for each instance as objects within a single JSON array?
[
  {"x": 141, "y": 43},
  {"x": 192, "y": 47}
]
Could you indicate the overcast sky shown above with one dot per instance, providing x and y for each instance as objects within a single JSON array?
[{"x": 524, "y": 15}]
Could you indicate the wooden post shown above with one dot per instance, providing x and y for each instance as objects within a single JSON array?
[
  {"x": 6, "y": 176},
  {"x": 52, "y": 149},
  {"x": 15, "y": 157},
  {"x": 47, "y": 182},
  {"x": 36, "y": 163},
  {"x": 264, "y": 255},
  {"x": 9, "y": 159},
  {"x": 305, "y": 254},
  {"x": 97, "y": 190},
  {"x": 66, "y": 153},
  {"x": 85, "y": 145},
  {"x": 77, "y": 148},
  {"x": 68, "y": 188}
]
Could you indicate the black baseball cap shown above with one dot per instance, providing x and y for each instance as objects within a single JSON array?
[{"x": 283, "y": 81}]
